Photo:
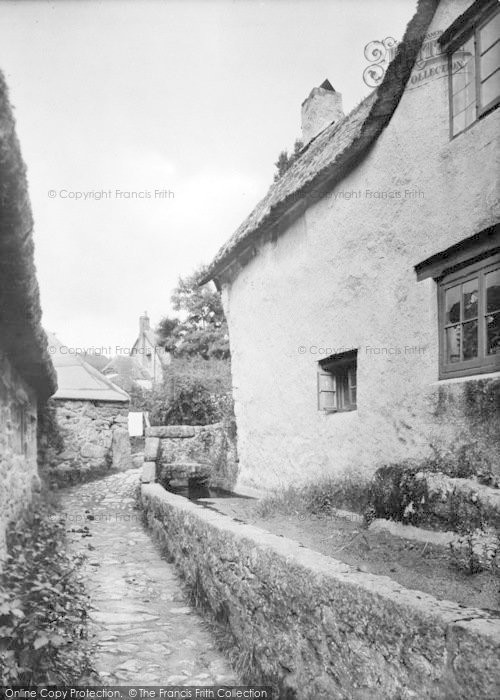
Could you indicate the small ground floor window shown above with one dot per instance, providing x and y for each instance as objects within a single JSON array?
[{"x": 337, "y": 382}]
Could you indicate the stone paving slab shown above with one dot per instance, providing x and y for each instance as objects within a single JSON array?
[{"x": 144, "y": 630}]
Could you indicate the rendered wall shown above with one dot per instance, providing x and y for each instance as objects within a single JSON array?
[
  {"x": 342, "y": 276},
  {"x": 18, "y": 448}
]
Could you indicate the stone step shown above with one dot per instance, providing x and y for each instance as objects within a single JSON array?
[{"x": 184, "y": 470}]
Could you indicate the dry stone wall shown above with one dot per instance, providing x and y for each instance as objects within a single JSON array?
[
  {"x": 96, "y": 440},
  {"x": 315, "y": 627},
  {"x": 183, "y": 451}
]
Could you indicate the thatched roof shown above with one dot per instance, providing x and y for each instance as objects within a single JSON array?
[
  {"x": 21, "y": 333},
  {"x": 330, "y": 156}
]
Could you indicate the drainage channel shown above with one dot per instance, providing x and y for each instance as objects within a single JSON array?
[{"x": 142, "y": 627}]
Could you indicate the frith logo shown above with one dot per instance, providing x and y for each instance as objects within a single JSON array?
[{"x": 431, "y": 62}]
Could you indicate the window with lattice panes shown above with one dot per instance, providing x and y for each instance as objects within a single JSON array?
[
  {"x": 474, "y": 69},
  {"x": 469, "y": 311}
]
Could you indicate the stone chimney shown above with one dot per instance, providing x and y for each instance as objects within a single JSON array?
[
  {"x": 321, "y": 108},
  {"x": 144, "y": 322}
]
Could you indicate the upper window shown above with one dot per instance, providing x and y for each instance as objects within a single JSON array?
[
  {"x": 337, "y": 383},
  {"x": 475, "y": 77},
  {"x": 469, "y": 305}
]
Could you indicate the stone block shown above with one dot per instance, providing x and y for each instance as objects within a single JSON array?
[
  {"x": 138, "y": 460},
  {"x": 183, "y": 470},
  {"x": 91, "y": 451},
  {"x": 151, "y": 448},
  {"x": 120, "y": 450},
  {"x": 148, "y": 472},
  {"x": 171, "y": 431}
]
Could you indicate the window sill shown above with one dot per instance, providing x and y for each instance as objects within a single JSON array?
[
  {"x": 469, "y": 378},
  {"x": 484, "y": 114},
  {"x": 342, "y": 410}
]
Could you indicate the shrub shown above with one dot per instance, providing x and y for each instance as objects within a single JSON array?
[
  {"x": 195, "y": 392},
  {"x": 476, "y": 550},
  {"x": 399, "y": 493},
  {"x": 409, "y": 491},
  {"x": 43, "y": 607}
]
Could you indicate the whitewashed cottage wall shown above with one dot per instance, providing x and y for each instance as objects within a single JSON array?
[{"x": 342, "y": 276}]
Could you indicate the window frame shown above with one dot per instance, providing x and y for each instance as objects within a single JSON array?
[
  {"x": 339, "y": 368},
  {"x": 471, "y": 30},
  {"x": 483, "y": 363},
  {"x": 496, "y": 100}
]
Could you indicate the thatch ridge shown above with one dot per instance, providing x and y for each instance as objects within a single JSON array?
[{"x": 331, "y": 155}]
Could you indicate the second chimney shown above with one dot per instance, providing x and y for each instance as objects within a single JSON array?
[
  {"x": 144, "y": 322},
  {"x": 321, "y": 108}
]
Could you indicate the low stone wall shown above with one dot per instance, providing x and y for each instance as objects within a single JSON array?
[
  {"x": 315, "y": 627},
  {"x": 96, "y": 440},
  {"x": 434, "y": 499},
  {"x": 18, "y": 446},
  {"x": 184, "y": 451}
]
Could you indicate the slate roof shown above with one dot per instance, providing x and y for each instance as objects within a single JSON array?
[
  {"x": 21, "y": 334},
  {"x": 79, "y": 381},
  {"x": 328, "y": 158}
]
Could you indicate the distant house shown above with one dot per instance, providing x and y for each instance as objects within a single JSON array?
[
  {"x": 126, "y": 371},
  {"x": 27, "y": 377},
  {"x": 92, "y": 413},
  {"x": 148, "y": 352},
  {"x": 362, "y": 292}
]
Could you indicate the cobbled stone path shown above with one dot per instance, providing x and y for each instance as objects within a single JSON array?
[{"x": 144, "y": 630}]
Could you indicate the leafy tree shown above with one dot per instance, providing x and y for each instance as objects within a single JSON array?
[
  {"x": 203, "y": 330},
  {"x": 167, "y": 332}
]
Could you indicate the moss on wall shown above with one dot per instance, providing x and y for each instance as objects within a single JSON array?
[{"x": 472, "y": 410}]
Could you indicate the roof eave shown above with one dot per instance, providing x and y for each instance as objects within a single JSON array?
[{"x": 23, "y": 338}]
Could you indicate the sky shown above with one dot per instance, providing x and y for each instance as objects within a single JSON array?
[{"x": 186, "y": 103}]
